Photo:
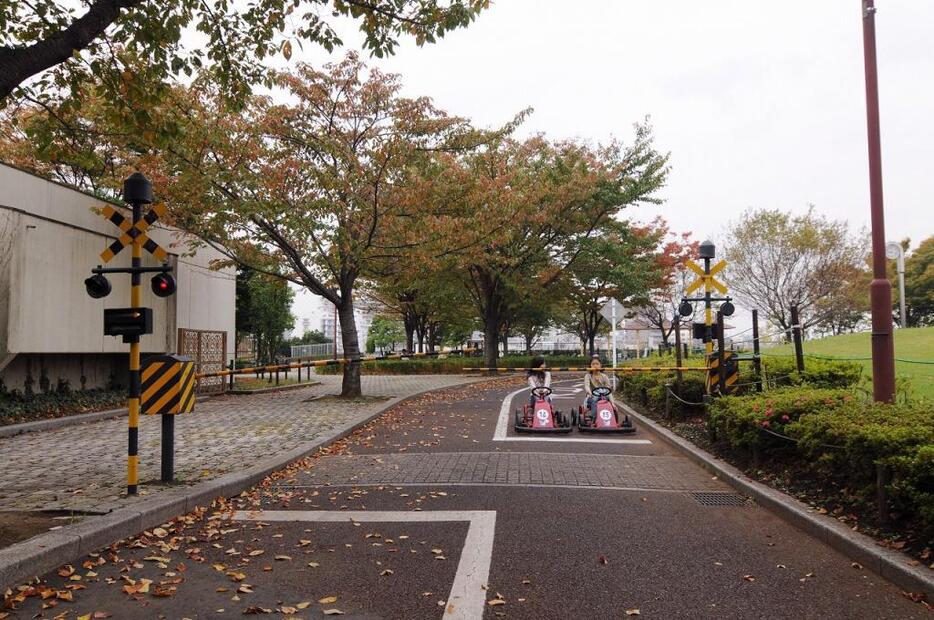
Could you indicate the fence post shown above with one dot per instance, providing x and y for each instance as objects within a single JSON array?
[
  {"x": 687, "y": 351},
  {"x": 756, "y": 360},
  {"x": 231, "y": 367},
  {"x": 721, "y": 369},
  {"x": 796, "y": 336},
  {"x": 678, "y": 360}
]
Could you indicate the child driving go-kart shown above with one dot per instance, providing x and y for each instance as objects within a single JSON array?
[
  {"x": 538, "y": 377},
  {"x": 601, "y": 413},
  {"x": 538, "y": 416}
]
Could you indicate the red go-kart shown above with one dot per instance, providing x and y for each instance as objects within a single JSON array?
[
  {"x": 541, "y": 418},
  {"x": 605, "y": 420}
]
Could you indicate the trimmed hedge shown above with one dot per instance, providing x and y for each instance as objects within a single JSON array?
[
  {"x": 16, "y": 407},
  {"x": 879, "y": 450},
  {"x": 782, "y": 371},
  {"x": 450, "y": 365}
]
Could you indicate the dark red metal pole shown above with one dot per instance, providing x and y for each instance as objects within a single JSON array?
[{"x": 880, "y": 290}]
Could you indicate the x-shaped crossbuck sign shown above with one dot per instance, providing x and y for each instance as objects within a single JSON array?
[
  {"x": 133, "y": 231},
  {"x": 706, "y": 280}
]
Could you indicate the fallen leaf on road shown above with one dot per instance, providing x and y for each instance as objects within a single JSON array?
[
  {"x": 327, "y": 599},
  {"x": 386, "y": 572},
  {"x": 602, "y": 559},
  {"x": 251, "y": 611},
  {"x": 302, "y": 605},
  {"x": 495, "y": 601},
  {"x": 256, "y": 552},
  {"x": 313, "y": 564},
  {"x": 749, "y": 577},
  {"x": 283, "y": 558},
  {"x": 333, "y": 612},
  {"x": 857, "y": 565},
  {"x": 633, "y": 612},
  {"x": 66, "y": 571}
]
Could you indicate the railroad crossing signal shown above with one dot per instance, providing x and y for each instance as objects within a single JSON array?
[
  {"x": 133, "y": 231},
  {"x": 135, "y": 321},
  {"x": 705, "y": 279}
]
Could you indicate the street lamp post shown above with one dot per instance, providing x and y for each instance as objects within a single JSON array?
[
  {"x": 894, "y": 251},
  {"x": 880, "y": 290}
]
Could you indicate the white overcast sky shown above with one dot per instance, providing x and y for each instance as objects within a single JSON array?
[{"x": 761, "y": 104}]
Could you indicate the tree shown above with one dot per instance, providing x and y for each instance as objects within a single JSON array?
[
  {"x": 384, "y": 333},
  {"x": 311, "y": 185},
  {"x": 778, "y": 260},
  {"x": 264, "y": 310},
  {"x": 619, "y": 262},
  {"x": 661, "y": 304},
  {"x": 136, "y": 47},
  {"x": 919, "y": 284},
  {"x": 545, "y": 198}
]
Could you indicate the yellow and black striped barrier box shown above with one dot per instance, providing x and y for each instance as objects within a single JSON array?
[
  {"x": 731, "y": 375},
  {"x": 168, "y": 385}
]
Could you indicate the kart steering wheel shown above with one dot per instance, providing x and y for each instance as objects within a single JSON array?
[
  {"x": 600, "y": 392},
  {"x": 542, "y": 391}
]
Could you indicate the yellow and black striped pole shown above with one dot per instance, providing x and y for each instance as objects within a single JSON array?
[
  {"x": 132, "y": 463},
  {"x": 137, "y": 190}
]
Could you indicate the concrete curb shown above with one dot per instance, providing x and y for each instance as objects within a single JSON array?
[
  {"x": 51, "y": 424},
  {"x": 890, "y": 564},
  {"x": 24, "y": 560}
]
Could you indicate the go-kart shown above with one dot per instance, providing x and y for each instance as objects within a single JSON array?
[
  {"x": 605, "y": 420},
  {"x": 541, "y": 418}
]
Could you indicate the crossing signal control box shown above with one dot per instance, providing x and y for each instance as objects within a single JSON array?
[
  {"x": 167, "y": 385},
  {"x": 131, "y": 323}
]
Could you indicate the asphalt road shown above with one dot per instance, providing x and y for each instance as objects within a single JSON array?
[{"x": 431, "y": 512}]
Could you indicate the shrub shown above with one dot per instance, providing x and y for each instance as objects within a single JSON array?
[
  {"x": 648, "y": 388},
  {"x": 821, "y": 373},
  {"x": 740, "y": 420},
  {"x": 17, "y": 407}
]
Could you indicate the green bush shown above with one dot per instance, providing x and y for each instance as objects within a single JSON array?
[
  {"x": 739, "y": 420},
  {"x": 16, "y": 407},
  {"x": 648, "y": 389},
  {"x": 782, "y": 371},
  {"x": 451, "y": 365},
  {"x": 837, "y": 434}
]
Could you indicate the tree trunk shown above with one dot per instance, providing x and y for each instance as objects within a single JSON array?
[
  {"x": 528, "y": 344},
  {"x": 421, "y": 340},
  {"x": 409, "y": 337},
  {"x": 505, "y": 339},
  {"x": 491, "y": 338},
  {"x": 350, "y": 387},
  {"x": 590, "y": 343},
  {"x": 432, "y": 331}
]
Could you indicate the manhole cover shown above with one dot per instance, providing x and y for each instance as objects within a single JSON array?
[{"x": 719, "y": 499}]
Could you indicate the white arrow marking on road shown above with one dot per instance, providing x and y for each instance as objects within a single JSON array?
[{"x": 467, "y": 599}]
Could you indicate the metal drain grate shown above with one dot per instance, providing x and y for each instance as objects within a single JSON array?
[{"x": 714, "y": 498}]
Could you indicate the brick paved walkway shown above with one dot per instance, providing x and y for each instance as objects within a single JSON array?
[
  {"x": 538, "y": 468},
  {"x": 84, "y": 467}
]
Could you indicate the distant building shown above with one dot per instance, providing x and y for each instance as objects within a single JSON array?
[{"x": 51, "y": 331}]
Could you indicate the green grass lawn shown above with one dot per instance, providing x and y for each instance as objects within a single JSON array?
[{"x": 915, "y": 344}]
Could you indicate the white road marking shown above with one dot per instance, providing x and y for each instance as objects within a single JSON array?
[
  {"x": 467, "y": 599},
  {"x": 505, "y": 412}
]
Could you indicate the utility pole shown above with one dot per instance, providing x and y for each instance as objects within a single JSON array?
[{"x": 880, "y": 290}]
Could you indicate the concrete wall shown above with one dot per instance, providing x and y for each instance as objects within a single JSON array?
[{"x": 50, "y": 238}]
